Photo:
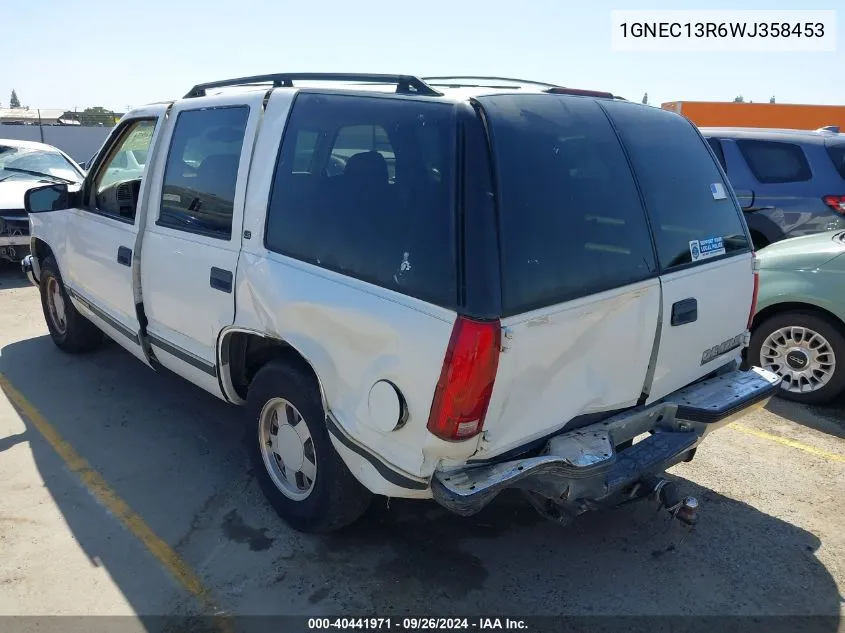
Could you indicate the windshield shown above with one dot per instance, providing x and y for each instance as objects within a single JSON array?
[{"x": 25, "y": 163}]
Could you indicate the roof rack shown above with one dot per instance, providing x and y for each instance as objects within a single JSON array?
[
  {"x": 404, "y": 83},
  {"x": 456, "y": 81}
]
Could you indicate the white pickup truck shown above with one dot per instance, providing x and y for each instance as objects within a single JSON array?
[{"x": 440, "y": 287}]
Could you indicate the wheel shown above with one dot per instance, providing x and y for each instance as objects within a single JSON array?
[
  {"x": 806, "y": 350},
  {"x": 299, "y": 471},
  {"x": 70, "y": 331}
]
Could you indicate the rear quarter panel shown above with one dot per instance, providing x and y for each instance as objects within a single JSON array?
[{"x": 821, "y": 288}]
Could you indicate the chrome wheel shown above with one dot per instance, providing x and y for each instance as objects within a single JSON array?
[
  {"x": 802, "y": 357},
  {"x": 56, "y": 305},
  {"x": 287, "y": 448}
]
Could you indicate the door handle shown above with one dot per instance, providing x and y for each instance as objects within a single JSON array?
[
  {"x": 124, "y": 255},
  {"x": 221, "y": 279},
  {"x": 684, "y": 311}
]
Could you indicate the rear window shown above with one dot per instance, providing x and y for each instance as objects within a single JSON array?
[
  {"x": 693, "y": 215},
  {"x": 837, "y": 155},
  {"x": 364, "y": 186},
  {"x": 774, "y": 162},
  {"x": 572, "y": 223}
]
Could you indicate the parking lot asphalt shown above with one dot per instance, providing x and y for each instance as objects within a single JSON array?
[{"x": 126, "y": 491}]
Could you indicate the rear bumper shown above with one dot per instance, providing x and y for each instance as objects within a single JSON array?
[{"x": 582, "y": 468}]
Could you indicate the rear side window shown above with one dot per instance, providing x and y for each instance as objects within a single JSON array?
[
  {"x": 716, "y": 144},
  {"x": 572, "y": 223},
  {"x": 774, "y": 162},
  {"x": 365, "y": 186},
  {"x": 201, "y": 174},
  {"x": 837, "y": 155},
  {"x": 693, "y": 215}
]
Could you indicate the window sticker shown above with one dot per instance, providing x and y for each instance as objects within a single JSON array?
[
  {"x": 718, "y": 191},
  {"x": 705, "y": 249}
]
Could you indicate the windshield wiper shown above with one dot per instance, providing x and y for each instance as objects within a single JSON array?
[{"x": 38, "y": 173}]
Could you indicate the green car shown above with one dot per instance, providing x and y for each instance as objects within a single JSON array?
[{"x": 798, "y": 330}]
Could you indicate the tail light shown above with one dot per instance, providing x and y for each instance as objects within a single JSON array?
[
  {"x": 837, "y": 203},
  {"x": 755, "y": 267},
  {"x": 466, "y": 380}
]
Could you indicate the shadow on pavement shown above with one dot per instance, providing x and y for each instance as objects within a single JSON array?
[
  {"x": 828, "y": 419},
  {"x": 12, "y": 277},
  {"x": 175, "y": 455}
]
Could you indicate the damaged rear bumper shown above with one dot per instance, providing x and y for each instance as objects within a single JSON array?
[{"x": 581, "y": 469}]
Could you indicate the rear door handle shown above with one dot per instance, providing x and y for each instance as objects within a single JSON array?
[
  {"x": 221, "y": 279},
  {"x": 684, "y": 311},
  {"x": 124, "y": 255}
]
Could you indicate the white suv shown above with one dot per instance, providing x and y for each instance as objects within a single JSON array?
[{"x": 439, "y": 287}]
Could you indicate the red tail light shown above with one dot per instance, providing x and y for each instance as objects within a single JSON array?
[
  {"x": 837, "y": 203},
  {"x": 466, "y": 380},
  {"x": 755, "y": 266}
]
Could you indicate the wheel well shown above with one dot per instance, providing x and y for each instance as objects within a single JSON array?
[
  {"x": 780, "y": 308},
  {"x": 245, "y": 353},
  {"x": 40, "y": 249}
]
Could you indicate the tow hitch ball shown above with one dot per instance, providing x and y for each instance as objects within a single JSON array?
[{"x": 685, "y": 509}]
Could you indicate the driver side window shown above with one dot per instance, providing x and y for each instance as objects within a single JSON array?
[{"x": 119, "y": 179}]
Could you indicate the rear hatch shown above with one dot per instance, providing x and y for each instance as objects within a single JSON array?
[{"x": 626, "y": 268}]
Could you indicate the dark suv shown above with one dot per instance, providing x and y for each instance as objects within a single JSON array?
[{"x": 789, "y": 182}]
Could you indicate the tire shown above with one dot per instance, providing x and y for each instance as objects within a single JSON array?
[
  {"x": 336, "y": 498},
  {"x": 75, "y": 334},
  {"x": 826, "y": 328}
]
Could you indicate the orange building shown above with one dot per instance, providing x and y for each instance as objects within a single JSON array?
[{"x": 777, "y": 115}]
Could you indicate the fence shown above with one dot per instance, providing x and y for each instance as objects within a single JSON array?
[{"x": 78, "y": 133}]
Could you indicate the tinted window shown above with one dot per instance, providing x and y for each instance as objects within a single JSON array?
[
  {"x": 837, "y": 155},
  {"x": 774, "y": 162},
  {"x": 717, "y": 149},
  {"x": 572, "y": 222},
  {"x": 686, "y": 198},
  {"x": 202, "y": 171},
  {"x": 364, "y": 186}
]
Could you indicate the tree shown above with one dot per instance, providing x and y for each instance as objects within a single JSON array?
[
  {"x": 739, "y": 99},
  {"x": 645, "y": 98},
  {"x": 14, "y": 102},
  {"x": 772, "y": 100}
]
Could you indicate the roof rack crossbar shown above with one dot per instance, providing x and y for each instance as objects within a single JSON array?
[
  {"x": 404, "y": 83},
  {"x": 453, "y": 81}
]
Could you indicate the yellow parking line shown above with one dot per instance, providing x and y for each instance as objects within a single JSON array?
[
  {"x": 785, "y": 441},
  {"x": 130, "y": 519}
]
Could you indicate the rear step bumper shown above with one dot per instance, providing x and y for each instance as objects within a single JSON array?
[{"x": 582, "y": 469}]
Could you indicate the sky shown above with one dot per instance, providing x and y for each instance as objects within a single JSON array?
[{"x": 116, "y": 54}]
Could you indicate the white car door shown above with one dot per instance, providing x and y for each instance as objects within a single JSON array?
[
  {"x": 103, "y": 231},
  {"x": 192, "y": 241}
]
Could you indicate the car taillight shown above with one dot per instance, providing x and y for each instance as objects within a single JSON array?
[
  {"x": 837, "y": 203},
  {"x": 466, "y": 380},
  {"x": 755, "y": 267}
]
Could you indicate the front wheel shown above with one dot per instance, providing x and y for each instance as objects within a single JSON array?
[
  {"x": 806, "y": 350},
  {"x": 299, "y": 471},
  {"x": 70, "y": 331}
]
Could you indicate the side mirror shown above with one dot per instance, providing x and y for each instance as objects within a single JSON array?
[
  {"x": 746, "y": 198},
  {"x": 51, "y": 198}
]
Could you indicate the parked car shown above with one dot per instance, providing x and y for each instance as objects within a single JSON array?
[
  {"x": 496, "y": 289},
  {"x": 799, "y": 328},
  {"x": 24, "y": 165},
  {"x": 789, "y": 182}
]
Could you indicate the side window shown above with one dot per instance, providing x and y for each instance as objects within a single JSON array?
[
  {"x": 118, "y": 182},
  {"x": 343, "y": 200},
  {"x": 716, "y": 145},
  {"x": 198, "y": 194},
  {"x": 775, "y": 162},
  {"x": 686, "y": 197}
]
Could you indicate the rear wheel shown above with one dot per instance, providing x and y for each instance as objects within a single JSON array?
[
  {"x": 70, "y": 331},
  {"x": 806, "y": 350},
  {"x": 299, "y": 471}
]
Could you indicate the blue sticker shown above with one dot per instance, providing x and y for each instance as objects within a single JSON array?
[
  {"x": 718, "y": 191},
  {"x": 705, "y": 249}
]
